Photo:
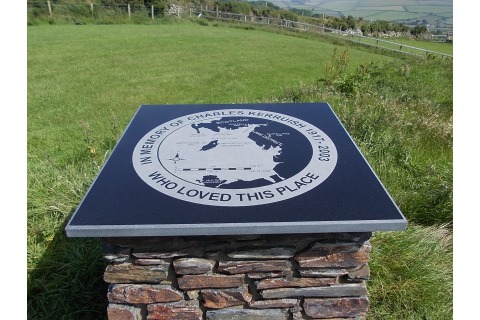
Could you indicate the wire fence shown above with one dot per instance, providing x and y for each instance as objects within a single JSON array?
[
  {"x": 98, "y": 11},
  {"x": 129, "y": 12},
  {"x": 321, "y": 30}
]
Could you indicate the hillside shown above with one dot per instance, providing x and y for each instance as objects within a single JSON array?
[{"x": 438, "y": 13}]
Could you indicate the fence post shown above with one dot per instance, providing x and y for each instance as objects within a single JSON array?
[
  {"x": 49, "y": 7},
  {"x": 128, "y": 9},
  {"x": 217, "y": 12},
  {"x": 91, "y": 8},
  {"x": 152, "y": 13}
]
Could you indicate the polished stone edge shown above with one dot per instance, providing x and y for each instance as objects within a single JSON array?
[{"x": 235, "y": 228}]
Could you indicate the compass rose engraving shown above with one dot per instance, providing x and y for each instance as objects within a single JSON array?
[{"x": 176, "y": 158}]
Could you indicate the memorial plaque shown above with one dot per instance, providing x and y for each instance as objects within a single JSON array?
[{"x": 235, "y": 169}]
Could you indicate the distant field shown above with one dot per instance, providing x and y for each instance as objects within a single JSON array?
[
  {"x": 436, "y": 12},
  {"x": 433, "y": 9},
  {"x": 427, "y": 45},
  {"x": 383, "y": 15},
  {"x": 383, "y": 8},
  {"x": 387, "y": 2},
  {"x": 337, "y": 5},
  {"x": 399, "y": 44},
  {"x": 395, "y": 15}
]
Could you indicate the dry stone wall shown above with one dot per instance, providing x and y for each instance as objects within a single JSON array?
[{"x": 296, "y": 276}]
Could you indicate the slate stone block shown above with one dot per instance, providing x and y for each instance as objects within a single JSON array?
[
  {"x": 151, "y": 262},
  {"x": 275, "y": 303},
  {"x": 339, "y": 255},
  {"x": 336, "y": 307},
  {"x": 264, "y": 253},
  {"x": 291, "y": 282},
  {"x": 361, "y": 272},
  {"x": 183, "y": 310},
  {"x": 322, "y": 272},
  {"x": 247, "y": 314},
  {"x": 159, "y": 254},
  {"x": 223, "y": 298},
  {"x": 192, "y": 282},
  {"x": 343, "y": 290},
  {"x": 130, "y": 273},
  {"x": 236, "y": 267},
  {"x": 186, "y": 266},
  {"x": 265, "y": 275},
  {"x": 144, "y": 293},
  {"x": 123, "y": 312},
  {"x": 115, "y": 254}
]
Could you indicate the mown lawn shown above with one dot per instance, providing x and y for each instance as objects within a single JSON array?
[{"x": 85, "y": 83}]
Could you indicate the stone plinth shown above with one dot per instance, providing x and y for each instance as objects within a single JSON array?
[{"x": 290, "y": 276}]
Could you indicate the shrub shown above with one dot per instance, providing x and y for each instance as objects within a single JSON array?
[{"x": 400, "y": 115}]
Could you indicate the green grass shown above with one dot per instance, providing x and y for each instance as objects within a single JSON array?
[
  {"x": 398, "y": 44},
  {"x": 94, "y": 71},
  {"x": 85, "y": 83},
  {"x": 398, "y": 275},
  {"x": 446, "y": 48},
  {"x": 387, "y": 46},
  {"x": 394, "y": 47},
  {"x": 400, "y": 116}
]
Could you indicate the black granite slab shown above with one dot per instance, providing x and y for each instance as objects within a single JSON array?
[{"x": 235, "y": 169}]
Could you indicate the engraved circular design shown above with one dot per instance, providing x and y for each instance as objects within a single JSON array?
[{"x": 234, "y": 157}]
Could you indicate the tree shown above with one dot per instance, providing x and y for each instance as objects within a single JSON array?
[
  {"x": 365, "y": 29},
  {"x": 159, "y": 6},
  {"x": 262, "y": 11},
  {"x": 418, "y": 30},
  {"x": 302, "y": 12},
  {"x": 337, "y": 23},
  {"x": 266, "y": 4},
  {"x": 351, "y": 23},
  {"x": 287, "y": 15},
  {"x": 241, "y": 7},
  {"x": 121, "y": 2}
]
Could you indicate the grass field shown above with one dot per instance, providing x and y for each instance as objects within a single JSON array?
[
  {"x": 403, "y": 44},
  {"x": 446, "y": 48},
  {"x": 148, "y": 65},
  {"x": 85, "y": 83},
  {"x": 396, "y": 47}
]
